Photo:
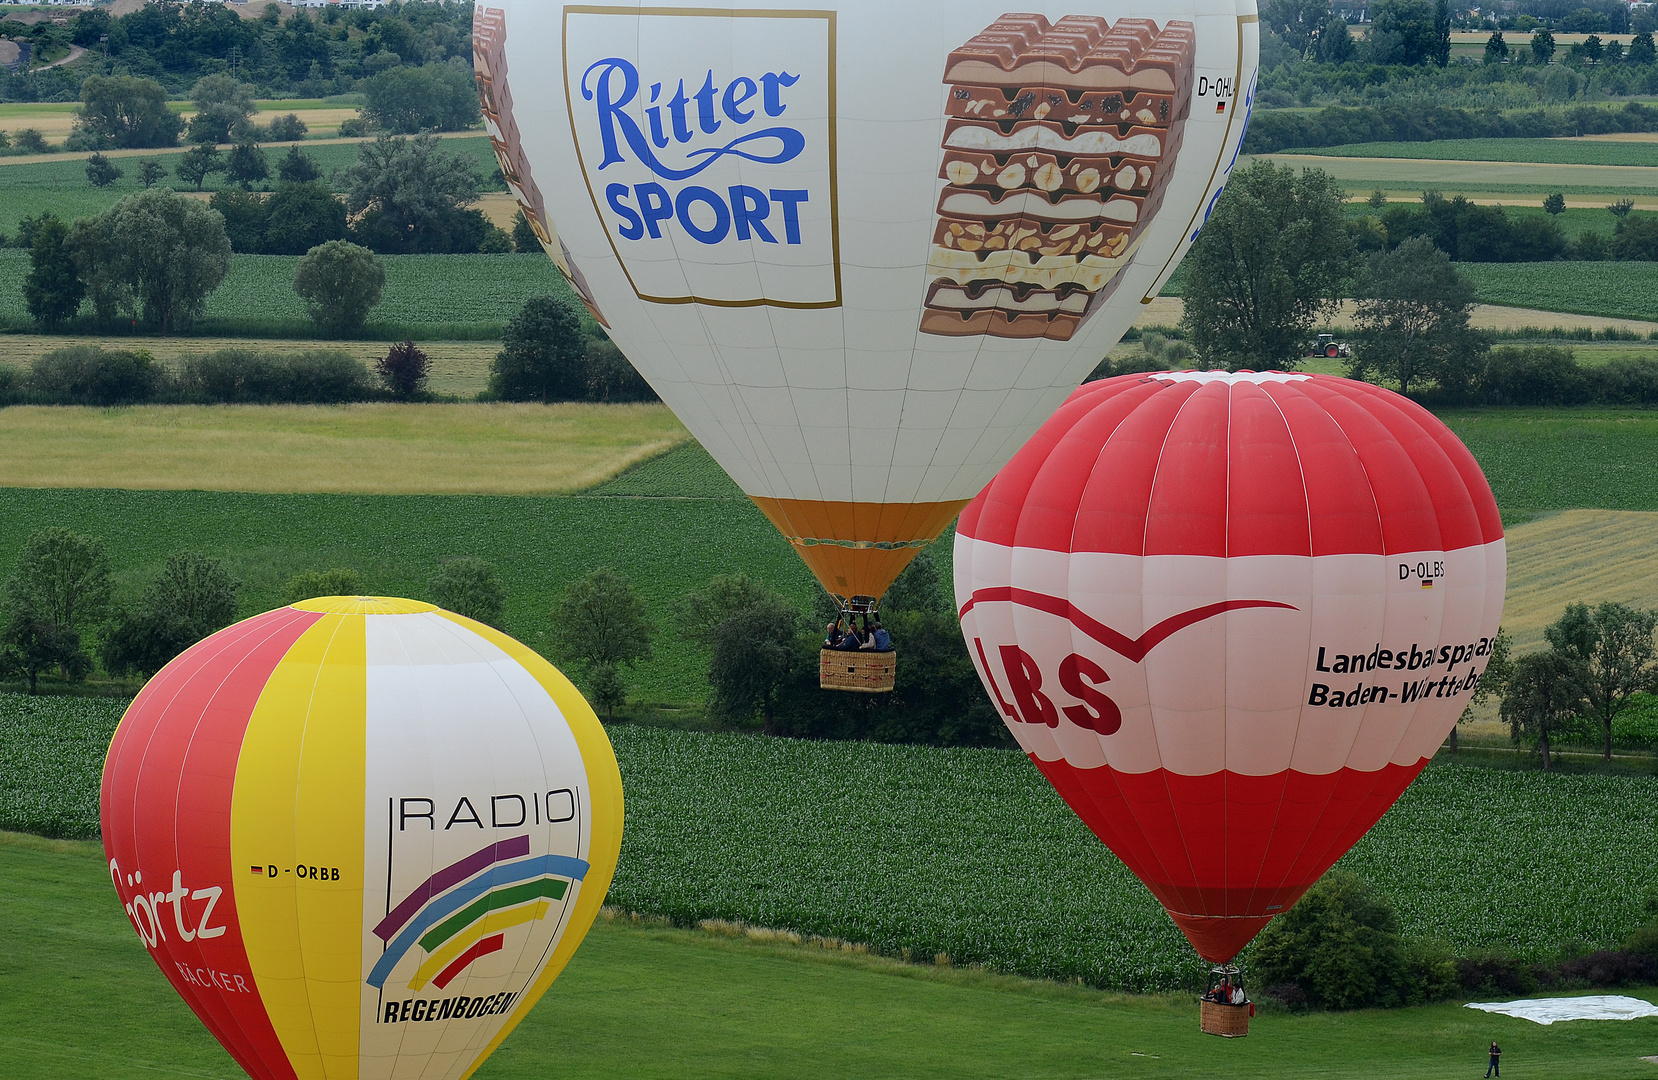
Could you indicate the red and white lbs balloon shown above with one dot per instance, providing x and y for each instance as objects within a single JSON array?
[{"x": 1230, "y": 617}]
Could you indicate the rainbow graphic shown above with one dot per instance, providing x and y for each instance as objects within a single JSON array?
[{"x": 457, "y": 915}]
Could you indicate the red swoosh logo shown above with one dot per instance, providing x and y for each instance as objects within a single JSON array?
[{"x": 1134, "y": 649}]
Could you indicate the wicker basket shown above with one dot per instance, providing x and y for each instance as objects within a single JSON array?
[
  {"x": 1227, "y": 1021},
  {"x": 862, "y": 672}
]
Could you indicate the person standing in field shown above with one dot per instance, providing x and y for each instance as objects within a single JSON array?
[{"x": 1495, "y": 1068}]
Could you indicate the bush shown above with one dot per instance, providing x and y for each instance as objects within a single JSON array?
[
  {"x": 90, "y": 375},
  {"x": 313, "y": 583},
  {"x": 287, "y": 128},
  {"x": 543, "y": 354},
  {"x": 403, "y": 371},
  {"x": 339, "y": 282},
  {"x": 468, "y": 586},
  {"x": 612, "y": 377},
  {"x": 316, "y": 377},
  {"x": 1533, "y": 375},
  {"x": 102, "y": 172}
]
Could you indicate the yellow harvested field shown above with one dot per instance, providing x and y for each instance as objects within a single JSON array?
[
  {"x": 55, "y": 119},
  {"x": 1577, "y": 555},
  {"x": 1167, "y": 311},
  {"x": 458, "y": 367},
  {"x": 1414, "y": 175},
  {"x": 358, "y": 449}
]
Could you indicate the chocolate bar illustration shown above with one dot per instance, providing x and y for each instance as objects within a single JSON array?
[
  {"x": 1057, "y": 152},
  {"x": 489, "y": 65}
]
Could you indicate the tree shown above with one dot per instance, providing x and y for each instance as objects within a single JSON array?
[
  {"x": 193, "y": 596},
  {"x": 1496, "y": 49},
  {"x": 1609, "y": 651},
  {"x": 524, "y": 239},
  {"x": 1404, "y": 32},
  {"x": 297, "y": 167},
  {"x": 1621, "y": 208},
  {"x": 1542, "y": 45},
  {"x": 246, "y": 164},
  {"x": 1554, "y": 204},
  {"x": 411, "y": 197},
  {"x": 1298, "y": 22},
  {"x": 61, "y": 581},
  {"x": 149, "y": 172},
  {"x": 102, "y": 172},
  {"x": 300, "y": 216},
  {"x": 1270, "y": 261},
  {"x": 1636, "y": 238},
  {"x": 122, "y": 111},
  {"x": 1499, "y": 667},
  {"x": 30, "y": 646},
  {"x": 53, "y": 289},
  {"x": 1377, "y": 200},
  {"x": 1641, "y": 49},
  {"x": 403, "y": 370},
  {"x": 543, "y": 354},
  {"x": 1412, "y": 319},
  {"x": 223, "y": 106},
  {"x": 339, "y": 282},
  {"x": 602, "y": 624},
  {"x": 1441, "y": 54},
  {"x": 1340, "y": 944},
  {"x": 1593, "y": 50},
  {"x": 1335, "y": 42},
  {"x": 197, "y": 164},
  {"x": 244, "y": 214},
  {"x": 310, "y": 584},
  {"x": 468, "y": 586},
  {"x": 752, "y": 655},
  {"x": 918, "y": 588},
  {"x": 433, "y": 97},
  {"x": 155, "y": 255},
  {"x": 1541, "y": 699}
]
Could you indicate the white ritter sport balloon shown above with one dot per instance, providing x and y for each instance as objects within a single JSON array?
[{"x": 864, "y": 249}]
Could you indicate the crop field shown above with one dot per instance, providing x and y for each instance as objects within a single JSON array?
[
  {"x": 1535, "y": 151},
  {"x": 460, "y": 368},
  {"x": 495, "y": 449},
  {"x": 919, "y": 851},
  {"x": 469, "y": 296},
  {"x": 1362, "y": 175},
  {"x": 1577, "y": 556},
  {"x": 1615, "y": 289},
  {"x": 1543, "y": 460},
  {"x": 666, "y": 546},
  {"x": 29, "y": 187},
  {"x": 635, "y": 1003}
]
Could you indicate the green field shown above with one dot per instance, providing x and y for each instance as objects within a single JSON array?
[
  {"x": 1363, "y": 175},
  {"x": 425, "y": 296},
  {"x": 1540, "y": 151},
  {"x": 919, "y": 851},
  {"x": 62, "y": 187},
  {"x": 1615, "y": 289},
  {"x": 645, "y": 1002},
  {"x": 667, "y": 546},
  {"x": 1563, "y": 459}
]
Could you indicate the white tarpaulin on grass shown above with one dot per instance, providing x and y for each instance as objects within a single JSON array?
[{"x": 1549, "y": 1010}]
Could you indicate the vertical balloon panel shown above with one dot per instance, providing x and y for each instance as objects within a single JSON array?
[
  {"x": 387, "y": 828},
  {"x": 864, "y": 250}
]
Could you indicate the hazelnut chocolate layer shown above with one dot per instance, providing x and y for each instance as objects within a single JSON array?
[
  {"x": 1132, "y": 55},
  {"x": 1096, "y": 108},
  {"x": 1032, "y": 238}
]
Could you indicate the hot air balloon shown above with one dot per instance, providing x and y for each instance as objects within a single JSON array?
[
  {"x": 1230, "y": 618},
  {"x": 863, "y": 250},
  {"x": 360, "y": 836}
]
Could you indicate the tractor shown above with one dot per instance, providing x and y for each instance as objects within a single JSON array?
[{"x": 1327, "y": 345}]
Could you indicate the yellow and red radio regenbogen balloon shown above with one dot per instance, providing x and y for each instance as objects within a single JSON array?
[{"x": 360, "y": 836}]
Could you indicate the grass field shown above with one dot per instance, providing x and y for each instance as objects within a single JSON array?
[
  {"x": 27, "y": 188},
  {"x": 666, "y": 546},
  {"x": 425, "y": 295},
  {"x": 1362, "y": 175},
  {"x": 1573, "y": 556},
  {"x": 1614, "y": 289},
  {"x": 1541, "y": 460},
  {"x": 460, "y": 368},
  {"x": 499, "y": 449},
  {"x": 919, "y": 851},
  {"x": 1535, "y": 151},
  {"x": 651, "y": 1002}
]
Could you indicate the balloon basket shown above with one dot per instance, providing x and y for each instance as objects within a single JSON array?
[
  {"x": 1227, "y": 1021},
  {"x": 1217, "y": 1013},
  {"x": 860, "y": 672}
]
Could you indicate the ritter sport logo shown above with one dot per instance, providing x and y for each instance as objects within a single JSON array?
[{"x": 726, "y": 164}]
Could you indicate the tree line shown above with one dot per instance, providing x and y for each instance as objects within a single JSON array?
[
  {"x": 311, "y": 53},
  {"x": 1273, "y": 130}
]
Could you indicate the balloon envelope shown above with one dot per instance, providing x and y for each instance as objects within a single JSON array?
[
  {"x": 863, "y": 250},
  {"x": 1230, "y": 618},
  {"x": 360, "y": 836}
]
